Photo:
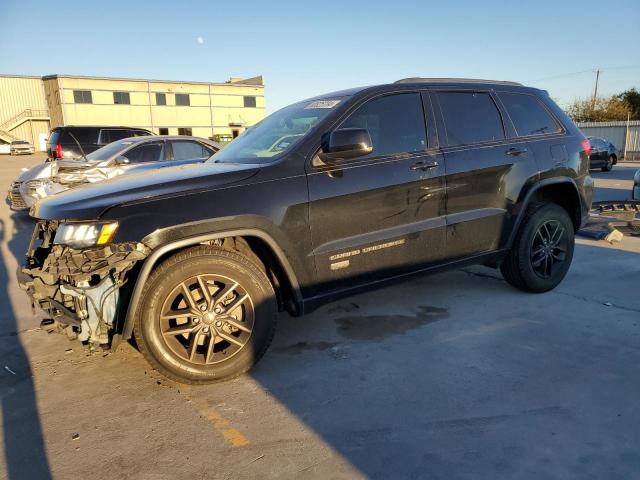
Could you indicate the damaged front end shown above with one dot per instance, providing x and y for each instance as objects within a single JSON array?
[{"x": 78, "y": 287}]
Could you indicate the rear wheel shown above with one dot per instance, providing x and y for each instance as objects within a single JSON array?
[
  {"x": 609, "y": 165},
  {"x": 206, "y": 315},
  {"x": 542, "y": 252}
]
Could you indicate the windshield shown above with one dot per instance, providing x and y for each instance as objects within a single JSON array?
[
  {"x": 277, "y": 133},
  {"x": 108, "y": 151}
]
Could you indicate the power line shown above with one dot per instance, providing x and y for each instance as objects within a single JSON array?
[{"x": 563, "y": 75}]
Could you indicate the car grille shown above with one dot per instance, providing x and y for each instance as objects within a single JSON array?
[{"x": 17, "y": 202}]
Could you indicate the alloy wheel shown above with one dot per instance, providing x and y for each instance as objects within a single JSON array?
[
  {"x": 207, "y": 319},
  {"x": 549, "y": 248}
]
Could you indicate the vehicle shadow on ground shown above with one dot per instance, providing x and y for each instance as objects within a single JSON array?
[
  {"x": 493, "y": 394},
  {"x": 24, "y": 449}
]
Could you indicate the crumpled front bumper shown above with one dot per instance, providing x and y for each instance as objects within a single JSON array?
[{"x": 78, "y": 288}]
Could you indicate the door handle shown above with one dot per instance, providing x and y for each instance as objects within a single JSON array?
[
  {"x": 514, "y": 152},
  {"x": 423, "y": 166}
]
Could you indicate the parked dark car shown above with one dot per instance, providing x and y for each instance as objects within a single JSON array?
[
  {"x": 635, "y": 192},
  {"x": 336, "y": 194},
  {"x": 604, "y": 154},
  {"x": 122, "y": 157},
  {"x": 62, "y": 144}
]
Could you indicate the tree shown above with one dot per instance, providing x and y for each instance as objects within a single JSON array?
[
  {"x": 601, "y": 110},
  {"x": 632, "y": 99}
]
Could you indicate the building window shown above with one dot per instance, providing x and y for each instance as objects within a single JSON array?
[
  {"x": 121, "y": 98},
  {"x": 163, "y": 130},
  {"x": 82, "y": 96},
  {"x": 250, "y": 102},
  {"x": 182, "y": 99},
  {"x": 184, "y": 131},
  {"x": 161, "y": 99}
]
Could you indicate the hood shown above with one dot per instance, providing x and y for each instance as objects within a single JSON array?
[
  {"x": 42, "y": 170},
  {"x": 89, "y": 202},
  {"x": 49, "y": 169}
]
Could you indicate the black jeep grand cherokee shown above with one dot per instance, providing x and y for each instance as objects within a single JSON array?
[{"x": 323, "y": 198}]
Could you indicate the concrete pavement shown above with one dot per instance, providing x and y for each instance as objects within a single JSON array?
[{"x": 455, "y": 375}]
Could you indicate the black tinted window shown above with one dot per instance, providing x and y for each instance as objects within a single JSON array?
[
  {"x": 161, "y": 99},
  {"x": 82, "y": 135},
  {"x": 395, "y": 123},
  {"x": 184, "y": 131},
  {"x": 182, "y": 99},
  {"x": 163, "y": 131},
  {"x": 470, "y": 117},
  {"x": 82, "y": 96},
  {"x": 121, "y": 98},
  {"x": 148, "y": 152},
  {"x": 111, "y": 135},
  {"x": 249, "y": 101},
  {"x": 189, "y": 151},
  {"x": 528, "y": 115}
]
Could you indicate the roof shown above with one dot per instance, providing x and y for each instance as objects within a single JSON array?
[
  {"x": 155, "y": 138},
  {"x": 246, "y": 82},
  {"x": 456, "y": 80},
  {"x": 415, "y": 81}
]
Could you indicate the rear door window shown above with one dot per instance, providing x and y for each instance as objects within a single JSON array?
[
  {"x": 183, "y": 150},
  {"x": 394, "y": 122},
  {"x": 528, "y": 115},
  {"x": 85, "y": 136},
  {"x": 112, "y": 135},
  {"x": 145, "y": 153},
  {"x": 470, "y": 117}
]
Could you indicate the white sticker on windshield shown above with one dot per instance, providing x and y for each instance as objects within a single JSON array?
[{"x": 323, "y": 104}]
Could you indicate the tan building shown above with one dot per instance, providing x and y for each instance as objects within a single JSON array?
[
  {"x": 24, "y": 114},
  {"x": 220, "y": 111}
]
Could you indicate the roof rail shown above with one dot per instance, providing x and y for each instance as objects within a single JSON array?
[{"x": 455, "y": 80}]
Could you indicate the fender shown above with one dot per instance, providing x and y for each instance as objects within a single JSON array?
[
  {"x": 152, "y": 260},
  {"x": 524, "y": 204}
]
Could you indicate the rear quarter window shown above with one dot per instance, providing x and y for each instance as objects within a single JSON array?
[{"x": 528, "y": 114}]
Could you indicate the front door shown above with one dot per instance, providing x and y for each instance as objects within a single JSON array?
[{"x": 381, "y": 214}]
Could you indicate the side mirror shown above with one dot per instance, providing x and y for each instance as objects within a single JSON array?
[
  {"x": 345, "y": 143},
  {"x": 122, "y": 160}
]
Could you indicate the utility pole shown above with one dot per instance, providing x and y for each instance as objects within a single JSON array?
[{"x": 595, "y": 90}]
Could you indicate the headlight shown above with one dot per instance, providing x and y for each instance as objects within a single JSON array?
[{"x": 83, "y": 235}]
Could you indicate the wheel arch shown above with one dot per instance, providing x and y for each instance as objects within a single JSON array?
[
  {"x": 562, "y": 191},
  {"x": 255, "y": 238}
]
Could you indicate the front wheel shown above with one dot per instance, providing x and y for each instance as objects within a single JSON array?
[
  {"x": 542, "y": 252},
  {"x": 206, "y": 314},
  {"x": 609, "y": 165}
]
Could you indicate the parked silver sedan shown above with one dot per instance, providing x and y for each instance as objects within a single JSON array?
[{"x": 129, "y": 155}]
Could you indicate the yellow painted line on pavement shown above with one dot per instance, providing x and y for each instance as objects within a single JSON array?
[{"x": 219, "y": 422}]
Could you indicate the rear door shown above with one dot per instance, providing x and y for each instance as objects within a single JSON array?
[
  {"x": 485, "y": 168},
  {"x": 382, "y": 214}
]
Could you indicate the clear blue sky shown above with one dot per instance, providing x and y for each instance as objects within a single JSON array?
[{"x": 305, "y": 48}]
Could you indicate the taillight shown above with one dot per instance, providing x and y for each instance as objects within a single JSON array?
[
  {"x": 586, "y": 146},
  {"x": 58, "y": 152}
]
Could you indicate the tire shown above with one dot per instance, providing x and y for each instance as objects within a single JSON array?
[
  {"x": 522, "y": 266},
  {"x": 609, "y": 164},
  {"x": 204, "y": 352}
]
